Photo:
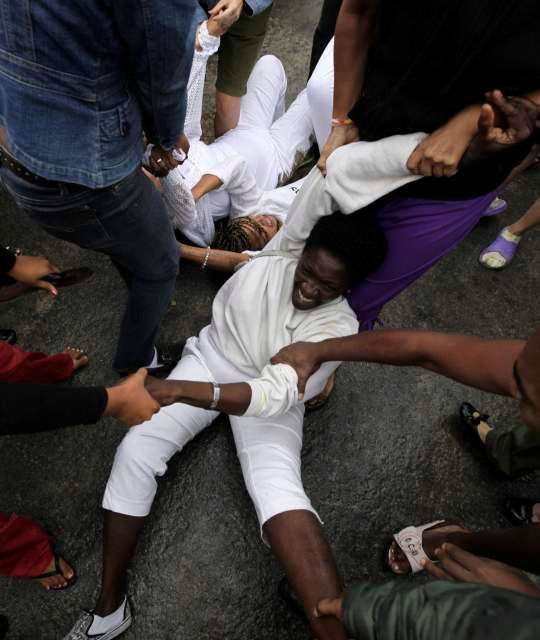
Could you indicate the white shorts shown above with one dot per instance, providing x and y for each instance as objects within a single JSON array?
[{"x": 268, "y": 448}]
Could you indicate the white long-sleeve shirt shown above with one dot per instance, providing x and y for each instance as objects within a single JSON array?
[
  {"x": 357, "y": 175},
  {"x": 253, "y": 316}
]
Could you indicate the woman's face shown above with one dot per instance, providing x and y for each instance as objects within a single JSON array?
[
  {"x": 319, "y": 278},
  {"x": 268, "y": 227}
]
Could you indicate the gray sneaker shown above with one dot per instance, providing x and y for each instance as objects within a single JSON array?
[{"x": 80, "y": 630}]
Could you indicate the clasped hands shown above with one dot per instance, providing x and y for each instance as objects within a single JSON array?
[
  {"x": 477, "y": 130},
  {"x": 161, "y": 161}
]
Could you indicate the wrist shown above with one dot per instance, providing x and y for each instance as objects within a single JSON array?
[
  {"x": 322, "y": 352},
  {"x": 114, "y": 401},
  {"x": 466, "y": 120}
]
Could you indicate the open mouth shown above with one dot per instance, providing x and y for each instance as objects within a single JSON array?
[{"x": 302, "y": 299}]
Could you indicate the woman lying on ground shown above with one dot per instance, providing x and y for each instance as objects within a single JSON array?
[{"x": 237, "y": 173}]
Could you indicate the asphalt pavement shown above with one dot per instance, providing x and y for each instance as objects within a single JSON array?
[{"x": 385, "y": 452}]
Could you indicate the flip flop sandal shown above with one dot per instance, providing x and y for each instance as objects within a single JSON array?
[
  {"x": 4, "y": 626},
  {"x": 504, "y": 249},
  {"x": 468, "y": 419},
  {"x": 497, "y": 206},
  {"x": 69, "y": 277},
  {"x": 409, "y": 540},
  {"x": 57, "y": 572}
]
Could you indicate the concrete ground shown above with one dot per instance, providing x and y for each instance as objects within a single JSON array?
[{"x": 385, "y": 452}]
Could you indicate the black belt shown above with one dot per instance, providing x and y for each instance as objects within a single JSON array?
[{"x": 9, "y": 162}]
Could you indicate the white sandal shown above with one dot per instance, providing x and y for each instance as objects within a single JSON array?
[{"x": 409, "y": 540}]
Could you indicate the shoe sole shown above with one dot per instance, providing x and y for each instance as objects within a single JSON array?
[{"x": 114, "y": 633}]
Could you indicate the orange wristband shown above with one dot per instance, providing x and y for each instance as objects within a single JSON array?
[{"x": 342, "y": 122}]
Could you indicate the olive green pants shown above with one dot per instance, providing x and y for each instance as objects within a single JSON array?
[
  {"x": 239, "y": 50},
  {"x": 514, "y": 452},
  {"x": 439, "y": 610}
]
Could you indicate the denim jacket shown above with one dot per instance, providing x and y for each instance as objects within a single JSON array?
[{"x": 81, "y": 79}]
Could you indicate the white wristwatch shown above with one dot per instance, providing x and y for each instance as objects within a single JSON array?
[{"x": 217, "y": 394}]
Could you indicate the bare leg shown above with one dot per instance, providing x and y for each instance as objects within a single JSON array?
[
  {"x": 119, "y": 540},
  {"x": 227, "y": 113},
  {"x": 297, "y": 539},
  {"x": 527, "y": 221}
]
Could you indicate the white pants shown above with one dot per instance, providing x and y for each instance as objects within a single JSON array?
[
  {"x": 269, "y": 449},
  {"x": 320, "y": 93},
  {"x": 269, "y": 138}
]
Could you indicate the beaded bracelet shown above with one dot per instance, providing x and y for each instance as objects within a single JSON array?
[
  {"x": 205, "y": 261},
  {"x": 342, "y": 122}
]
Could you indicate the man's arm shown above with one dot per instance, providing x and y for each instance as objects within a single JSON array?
[
  {"x": 354, "y": 28},
  {"x": 160, "y": 39},
  {"x": 29, "y": 408},
  {"x": 478, "y": 131},
  {"x": 473, "y": 361}
]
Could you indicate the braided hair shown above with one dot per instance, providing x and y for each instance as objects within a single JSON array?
[{"x": 232, "y": 236}]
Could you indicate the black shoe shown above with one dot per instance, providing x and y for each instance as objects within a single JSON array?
[
  {"x": 167, "y": 359},
  {"x": 290, "y": 598},
  {"x": 468, "y": 419},
  {"x": 8, "y": 335},
  {"x": 3, "y": 627},
  {"x": 519, "y": 510}
]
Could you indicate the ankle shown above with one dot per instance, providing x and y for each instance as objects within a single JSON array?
[
  {"x": 513, "y": 233},
  {"x": 108, "y": 604},
  {"x": 459, "y": 538}
]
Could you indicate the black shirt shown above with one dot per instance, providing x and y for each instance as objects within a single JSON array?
[
  {"x": 27, "y": 408},
  {"x": 429, "y": 59}
]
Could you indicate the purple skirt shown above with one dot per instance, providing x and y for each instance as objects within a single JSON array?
[{"x": 419, "y": 233}]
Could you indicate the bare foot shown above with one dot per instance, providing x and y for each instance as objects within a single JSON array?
[
  {"x": 79, "y": 357},
  {"x": 431, "y": 539},
  {"x": 58, "y": 581}
]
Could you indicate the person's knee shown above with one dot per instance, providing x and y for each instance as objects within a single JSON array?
[
  {"x": 275, "y": 484},
  {"x": 272, "y": 67},
  {"x": 138, "y": 455}
]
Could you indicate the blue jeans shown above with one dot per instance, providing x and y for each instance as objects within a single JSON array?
[{"x": 128, "y": 222}]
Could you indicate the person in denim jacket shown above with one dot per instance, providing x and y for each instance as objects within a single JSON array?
[{"x": 79, "y": 84}]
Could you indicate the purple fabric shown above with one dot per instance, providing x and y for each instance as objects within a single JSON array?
[{"x": 419, "y": 234}]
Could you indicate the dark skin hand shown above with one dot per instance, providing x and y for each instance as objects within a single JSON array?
[
  {"x": 162, "y": 161},
  {"x": 474, "y": 133},
  {"x": 506, "y": 121},
  {"x": 462, "y": 566}
]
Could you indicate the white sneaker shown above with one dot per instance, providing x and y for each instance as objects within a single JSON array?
[{"x": 80, "y": 630}]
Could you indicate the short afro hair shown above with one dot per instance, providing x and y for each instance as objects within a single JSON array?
[{"x": 355, "y": 239}]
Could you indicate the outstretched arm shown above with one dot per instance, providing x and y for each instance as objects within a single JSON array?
[
  {"x": 214, "y": 259},
  {"x": 476, "y": 362}
]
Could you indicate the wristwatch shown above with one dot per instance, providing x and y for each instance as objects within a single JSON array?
[{"x": 217, "y": 394}]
